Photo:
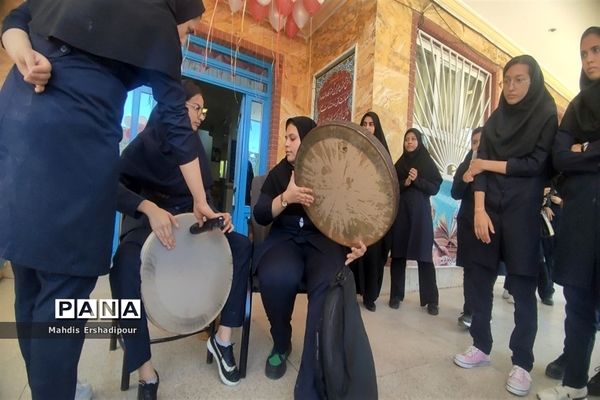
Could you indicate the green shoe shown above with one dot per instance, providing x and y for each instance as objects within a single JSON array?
[{"x": 276, "y": 364}]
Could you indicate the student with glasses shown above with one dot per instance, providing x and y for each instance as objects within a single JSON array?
[
  {"x": 510, "y": 172},
  {"x": 152, "y": 190}
]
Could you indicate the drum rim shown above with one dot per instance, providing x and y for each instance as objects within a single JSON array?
[{"x": 381, "y": 150}]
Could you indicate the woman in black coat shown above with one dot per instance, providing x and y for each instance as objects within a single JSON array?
[
  {"x": 576, "y": 154},
  {"x": 60, "y": 138},
  {"x": 412, "y": 232},
  {"x": 510, "y": 173},
  {"x": 368, "y": 270},
  {"x": 294, "y": 252},
  {"x": 463, "y": 191}
]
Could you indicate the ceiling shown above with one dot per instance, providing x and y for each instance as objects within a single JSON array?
[{"x": 549, "y": 30}]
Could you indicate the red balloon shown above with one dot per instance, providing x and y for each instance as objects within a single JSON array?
[
  {"x": 284, "y": 7},
  {"x": 257, "y": 11},
  {"x": 291, "y": 29},
  {"x": 312, "y": 6}
]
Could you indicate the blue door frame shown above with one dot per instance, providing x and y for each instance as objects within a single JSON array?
[
  {"x": 206, "y": 65},
  {"x": 253, "y": 130}
]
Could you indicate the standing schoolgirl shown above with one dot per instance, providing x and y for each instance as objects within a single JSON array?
[
  {"x": 368, "y": 269},
  {"x": 576, "y": 154},
  {"x": 412, "y": 232},
  {"x": 511, "y": 170}
]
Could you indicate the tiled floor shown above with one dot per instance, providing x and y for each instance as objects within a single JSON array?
[{"x": 413, "y": 355}]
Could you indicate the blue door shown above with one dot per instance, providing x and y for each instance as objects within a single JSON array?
[{"x": 248, "y": 147}]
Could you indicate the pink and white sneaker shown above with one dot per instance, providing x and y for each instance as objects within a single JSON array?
[
  {"x": 519, "y": 381},
  {"x": 472, "y": 358}
]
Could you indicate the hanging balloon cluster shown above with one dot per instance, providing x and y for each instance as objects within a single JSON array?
[{"x": 289, "y": 14}]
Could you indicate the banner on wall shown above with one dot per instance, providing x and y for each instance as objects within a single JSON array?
[{"x": 334, "y": 87}]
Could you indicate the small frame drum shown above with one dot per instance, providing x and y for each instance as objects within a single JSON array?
[
  {"x": 184, "y": 289},
  {"x": 354, "y": 182}
]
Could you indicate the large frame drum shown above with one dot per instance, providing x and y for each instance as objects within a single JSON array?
[
  {"x": 184, "y": 289},
  {"x": 354, "y": 182}
]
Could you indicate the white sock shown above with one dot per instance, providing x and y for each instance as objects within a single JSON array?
[{"x": 221, "y": 342}]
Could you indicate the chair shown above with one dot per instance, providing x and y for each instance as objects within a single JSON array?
[{"x": 114, "y": 338}]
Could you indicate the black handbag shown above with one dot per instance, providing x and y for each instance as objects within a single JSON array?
[{"x": 345, "y": 366}]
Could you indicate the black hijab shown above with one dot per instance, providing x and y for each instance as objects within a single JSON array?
[
  {"x": 141, "y": 33},
  {"x": 515, "y": 130},
  {"x": 378, "y": 130},
  {"x": 582, "y": 118},
  {"x": 420, "y": 159},
  {"x": 279, "y": 177}
]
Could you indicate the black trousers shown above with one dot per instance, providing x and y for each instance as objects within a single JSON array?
[
  {"x": 51, "y": 363},
  {"x": 428, "y": 290},
  {"x": 522, "y": 288},
  {"x": 545, "y": 284},
  {"x": 281, "y": 271},
  {"x": 125, "y": 283},
  {"x": 368, "y": 273},
  {"x": 580, "y": 334},
  {"x": 467, "y": 292}
]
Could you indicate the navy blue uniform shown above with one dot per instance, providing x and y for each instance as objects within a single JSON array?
[
  {"x": 463, "y": 191},
  {"x": 59, "y": 154},
  {"x": 148, "y": 172}
]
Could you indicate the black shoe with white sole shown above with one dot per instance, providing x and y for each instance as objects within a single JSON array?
[{"x": 228, "y": 371}]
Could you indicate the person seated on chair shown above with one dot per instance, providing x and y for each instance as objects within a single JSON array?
[
  {"x": 151, "y": 191},
  {"x": 294, "y": 252}
]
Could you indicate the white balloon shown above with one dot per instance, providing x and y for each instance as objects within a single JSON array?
[
  {"x": 236, "y": 5},
  {"x": 276, "y": 20},
  {"x": 300, "y": 14},
  {"x": 263, "y": 2}
]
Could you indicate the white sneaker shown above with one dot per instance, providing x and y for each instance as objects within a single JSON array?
[
  {"x": 563, "y": 393},
  {"x": 519, "y": 381},
  {"x": 83, "y": 391}
]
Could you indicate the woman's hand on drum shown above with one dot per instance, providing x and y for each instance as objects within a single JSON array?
[
  {"x": 356, "y": 252},
  {"x": 298, "y": 194},
  {"x": 227, "y": 225},
  {"x": 203, "y": 211},
  {"x": 483, "y": 226},
  {"x": 161, "y": 222}
]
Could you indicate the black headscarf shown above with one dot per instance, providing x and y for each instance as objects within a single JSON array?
[
  {"x": 378, "y": 129},
  {"x": 582, "y": 118},
  {"x": 279, "y": 177},
  {"x": 420, "y": 159},
  {"x": 141, "y": 33},
  {"x": 515, "y": 130}
]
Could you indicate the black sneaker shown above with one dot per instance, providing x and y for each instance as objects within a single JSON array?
[
  {"x": 465, "y": 320},
  {"x": 148, "y": 391},
  {"x": 556, "y": 369},
  {"x": 593, "y": 385},
  {"x": 394, "y": 303},
  {"x": 228, "y": 371},
  {"x": 433, "y": 309},
  {"x": 370, "y": 305},
  {"x": 276, "y": 364},
  {"x": 548, "y": 301}
]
